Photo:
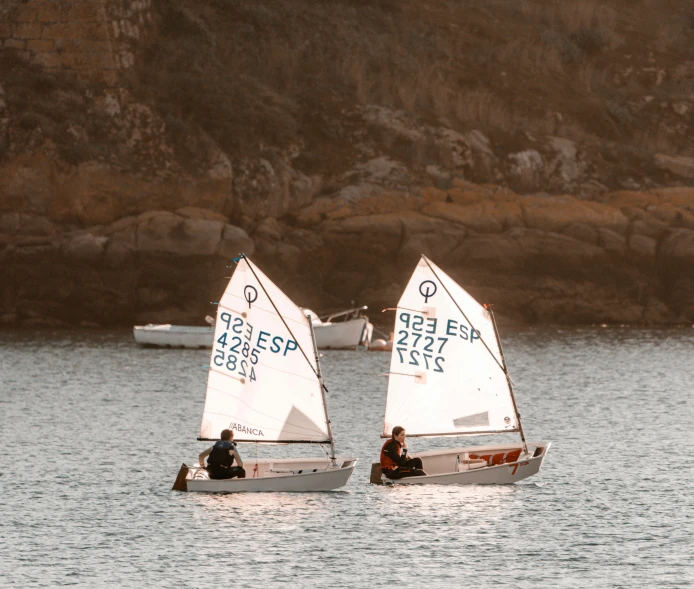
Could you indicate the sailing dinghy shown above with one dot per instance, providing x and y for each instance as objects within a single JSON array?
[
  {"x": 265, "y": 384},
  {"x": 448, "y": 377}
]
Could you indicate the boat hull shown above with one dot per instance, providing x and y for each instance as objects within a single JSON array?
[
  {"x": 174, "y": 336},
  {"x": 344, "y": 334},
  {"x": 278, "y": 476},
  {"x": 381, "y": 345},
  {"x": 441, "y": 466}
]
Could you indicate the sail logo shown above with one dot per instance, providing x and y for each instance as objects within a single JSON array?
[
  {"x": 250, "y": 293},
  {"x": 427, "y": 289},
  {"x": 237, "y": 427}
]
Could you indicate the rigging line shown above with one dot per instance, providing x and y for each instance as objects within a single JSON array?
[
  {"x": 326, "y": 452},
  {"x": 510, "y": 385},
  {"x": 320, "y": 380},
  {"x": 503, "y": 368},
  {"x": 379, "y": 332},
  {"x": 258, "y": 307}
]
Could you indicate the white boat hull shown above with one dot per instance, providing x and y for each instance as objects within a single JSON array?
[
  {"x": 381, "y": 345},
  {"x": 344, "y": 334},
  {"x": 441, "y": 466},
  {"x": 174, "y": 336},
  {"x": 279, "y": 476}
]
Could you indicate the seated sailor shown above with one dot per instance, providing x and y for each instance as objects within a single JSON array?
[
  {"x": 394, "y": 461},
  {"x": 221, "y": 456}
]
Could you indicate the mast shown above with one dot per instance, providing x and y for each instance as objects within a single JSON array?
[
  {"x": 503, "y": 367},
  {"x": 269, "y": 298},
  {"x": 508, "y": 379},
  {"x": 316, "y": 370},
  {"x": 322, "y": 390}
]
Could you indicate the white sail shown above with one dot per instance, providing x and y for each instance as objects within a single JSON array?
[
  {"x": 260, "y": 383},
  {"x": 446, "y": 372}
]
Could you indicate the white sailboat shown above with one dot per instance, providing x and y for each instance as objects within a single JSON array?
[
  {"x": 448, "y": 377},
  {"x": 265, "y": 384}
]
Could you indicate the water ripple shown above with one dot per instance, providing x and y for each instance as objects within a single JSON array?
[{"x": 94, "y": 430}]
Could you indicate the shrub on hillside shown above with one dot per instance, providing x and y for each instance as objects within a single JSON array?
[
  {"x": 567, "y": 49},
  {"x": 590, "y": 39},
  {"x": 619, "y": 113},
  {"x": 194, "y": 86}
]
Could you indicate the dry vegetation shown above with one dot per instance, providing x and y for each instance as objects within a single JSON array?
[
  {"x": 252, "y": 71},
  {"x": 52, "y": 103},
  {"x": 269, "y": 72}
]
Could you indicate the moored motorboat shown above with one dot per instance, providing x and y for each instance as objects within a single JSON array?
[
  {"x": 265, "y": 384},
  {"x": 344, "y": 330},
  {"x": 166, "y": 335},
  {"x": 448, "y": 377}
]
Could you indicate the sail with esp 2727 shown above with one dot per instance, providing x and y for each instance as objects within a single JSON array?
[
  {"x": 264, "y": 382},
  {"x": 447, "y": 374}
]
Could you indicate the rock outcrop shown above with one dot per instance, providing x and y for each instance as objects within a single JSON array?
[{"x": 625, "y": 259}]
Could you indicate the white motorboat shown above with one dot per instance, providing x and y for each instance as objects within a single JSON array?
[
  {"x": 265, "y": 384},
  {"x": 448, "y": 377},
  {"x": 173, "y": 336},
  {"x": 344, "y": 330}
]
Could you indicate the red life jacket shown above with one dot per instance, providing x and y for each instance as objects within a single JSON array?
[{"x": 387, "y": 463}]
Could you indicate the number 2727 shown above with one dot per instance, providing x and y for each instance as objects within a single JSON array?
[{"x": 417, "y": 358}]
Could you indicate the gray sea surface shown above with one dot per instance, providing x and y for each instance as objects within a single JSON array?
[{"x": 94, "y": 430}]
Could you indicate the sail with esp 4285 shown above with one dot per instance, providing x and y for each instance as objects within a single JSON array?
[{"x": 265, "y": 384}]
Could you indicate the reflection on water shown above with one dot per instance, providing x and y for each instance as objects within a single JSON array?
[{"x": 94, "y": 430}]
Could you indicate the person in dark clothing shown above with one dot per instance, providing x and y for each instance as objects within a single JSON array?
[
  {"x": 394, "y": 461},
  {"x": 221, "y": 456}
]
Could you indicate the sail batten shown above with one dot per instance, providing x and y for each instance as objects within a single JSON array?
[
  {"x": 458, "y": 384},
  {"x": 261, "y": 383}
]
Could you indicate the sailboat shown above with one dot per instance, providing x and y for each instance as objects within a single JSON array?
[
  {"x": 448, "y": 377},
  {"x": 265, "y": 384}
]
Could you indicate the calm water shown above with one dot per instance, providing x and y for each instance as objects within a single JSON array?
[{"x": 94, "y": 431}]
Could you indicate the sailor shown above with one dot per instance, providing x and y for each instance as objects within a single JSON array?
[
  {"x": 394, "y": 461},
  {"x": 221, "y": 456}
]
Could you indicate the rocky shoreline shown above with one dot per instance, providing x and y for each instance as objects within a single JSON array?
[{"x": 627, "y": 259}]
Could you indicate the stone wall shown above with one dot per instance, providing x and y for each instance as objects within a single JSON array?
[{"x": 92, "y": 38}]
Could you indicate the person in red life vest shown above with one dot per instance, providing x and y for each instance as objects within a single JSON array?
[
  {"x": 394, "y": 461},
  {"x": 221, "y": 456}
]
